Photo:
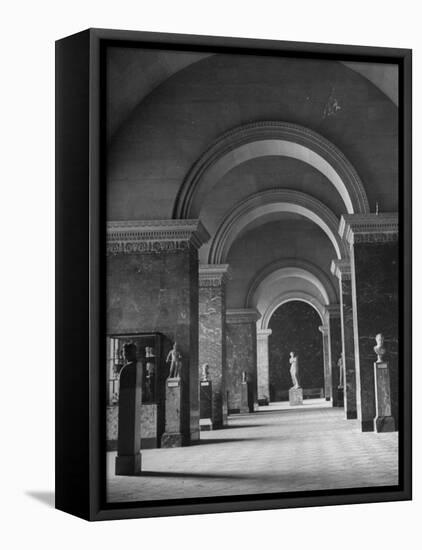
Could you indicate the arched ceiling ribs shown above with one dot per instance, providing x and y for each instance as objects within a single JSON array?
[
  {"x": 269, "y": 138},
  {"x": 265, "y": 205},
  {"x": 290, "y": 268}
]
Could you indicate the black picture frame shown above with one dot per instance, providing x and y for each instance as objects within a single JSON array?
[{"x": 80, "y": 269}]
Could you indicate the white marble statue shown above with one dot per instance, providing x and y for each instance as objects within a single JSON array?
[
  {"x": 175, "y": 359},
  {"x": 379, "y": 348},
  {"x": 294, "y": 369}
]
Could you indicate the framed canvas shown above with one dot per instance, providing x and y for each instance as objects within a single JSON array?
[{"x": 233, "y": 274}]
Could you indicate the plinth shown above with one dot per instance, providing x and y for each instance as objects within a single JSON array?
[
  {"x": 383, "y": 421},
  {"x": 244, "y": 397},
  {"x": 173, "y": 437},
  {"x": 340, "y": 397},
  {"x": 295, "y": 396},
  {"x": 205, "y": 400},
  {"x": 128, "y": 460}
]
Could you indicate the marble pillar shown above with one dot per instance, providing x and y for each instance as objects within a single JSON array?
[
  {"x": 341, "y": 268},
  {"x": 374, "y": 254},
  {"x": 212, "y": 335},
  {"x": 327, "y": 363},
  {"x": 241, "y": 354},
  {"x": 332, "y": 313},
  {"x": 152, "y": 286},
  {"x": 263, "y": 366}
]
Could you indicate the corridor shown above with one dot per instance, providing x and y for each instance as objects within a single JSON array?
[{"x": 278, "y": 449}]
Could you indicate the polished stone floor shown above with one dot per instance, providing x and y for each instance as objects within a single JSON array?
[{"x": 278, "y": 449}]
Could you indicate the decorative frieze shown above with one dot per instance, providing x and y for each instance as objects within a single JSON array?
[
  {"x": 154, "y": 236},
  {"x": 369, "y": 228},
  {"x": 213, "y": 275},
  {"x": 241, "y": 316},
  {"x": 341, "y": 269}
]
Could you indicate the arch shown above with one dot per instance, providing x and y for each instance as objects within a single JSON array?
[
  {"x": 292, "y": 267},
  {"x": 273, "y": 138},
  {"x": 265, "y": 204},
  {"x": 285, "y": 297}
]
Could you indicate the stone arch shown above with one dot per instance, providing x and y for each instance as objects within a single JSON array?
[
  {"x": 273, "y": 138},
  {"x": 285, "y": 297},
  {"x": 295, "y": 268},
  {"x": 271, "y": 202}
]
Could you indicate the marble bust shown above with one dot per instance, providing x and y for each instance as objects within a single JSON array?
[
  {"x": 379, "y": 348},
  {"x": 244, "y": 377},
  {"x": 205, "y": 372},
  {"x": 294, "y": 369}
]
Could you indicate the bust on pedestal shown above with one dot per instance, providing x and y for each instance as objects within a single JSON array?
[
  {"x": 383, "y": 421},
  {"x": 173, "y": 436},
  {"x": 246, "y": 399},
  {"x": 128, "y": 460},
  {"x": 295, "y": 392},
  {"x": 205, "y": 399}
]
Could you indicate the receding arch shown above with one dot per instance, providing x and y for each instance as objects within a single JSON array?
[
  {"x": 295, "y": 268},
  {"x": 270, "y": 138},
  {"x": 268, "y": 203},
  {"x": 285, "y": 297}
]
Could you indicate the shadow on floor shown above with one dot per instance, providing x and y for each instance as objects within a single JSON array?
[
  {"x": 225, "y": 440},
  {"x": 198, "y": 475},
  {"x": 45, "y": 497}
]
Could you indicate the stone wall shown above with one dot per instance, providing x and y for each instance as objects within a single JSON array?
[{"x": 294, "y": 327}]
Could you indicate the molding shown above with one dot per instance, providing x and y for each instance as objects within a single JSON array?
[
  {"x": 333, "y": 311},
  {"x": 271, "y": 130},
  {"x": 369, "y": 228},
  {"x": 324, "y": 330},
  {"x": 263, "y": 333},
  {"x": 341, "y": 269},
  {"x": 154, "y": 236},
  {"x": 272, "y": 201},
  {"x": 242, "y": 316},
  {"x": 284, "y": 298},
  {"x": 213, "y": 275}
]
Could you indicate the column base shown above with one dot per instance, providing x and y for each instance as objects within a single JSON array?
[
  {"x": 128, "y": 465},
  {"x": 169, "y": 440},
  {"x": 351, "y": 415},
  {"x": 384, "y": 424}
]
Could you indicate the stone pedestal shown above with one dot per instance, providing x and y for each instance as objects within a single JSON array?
[
  {"x": 342, "y": 269},
  {"x": 205, "y": 405},
  {"x": 212, "y": 335},
  {"x": 374, "y": 254},
  {"x": 340, "y": 397},
  {"x": 246, "y": 403},
  {"x": 263, "y": 365},
  {"x": 128, "y": 460},
  {"x": 173, "y": 435},
  {"x": 327, "y": 363},
  {"x": 295, "y": 396},
  {"x": 383, "y": 421}
]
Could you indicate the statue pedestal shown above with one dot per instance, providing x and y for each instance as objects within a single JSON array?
[
  {"x": 295, "y": 396},
  {"x": 245, "y": 398},
  {"x": 383, "y": 421},
  {"x": 128, "y": 460},
  {"x": 205, "y": 400},
  {"x": 173, "y": 436}
]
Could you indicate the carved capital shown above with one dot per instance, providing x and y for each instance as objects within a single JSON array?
[
  {"x": 154, "y": 236},
  {"x": 242, "y": 316},
  {"x": 369, "y": 228},
  {"x": 213, "y": 275},
  {"x": 263, "y": 333},
  {"x": 341, "y": 269}
]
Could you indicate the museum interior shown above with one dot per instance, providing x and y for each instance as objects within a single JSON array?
[{"x": 252, "y": 274}]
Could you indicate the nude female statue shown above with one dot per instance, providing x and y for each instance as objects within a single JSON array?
[
  {"x": 175, "y": 359},
  {"x": 294, "y": 369}
]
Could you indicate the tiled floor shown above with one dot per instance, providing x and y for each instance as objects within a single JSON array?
[{"x": 277, "y": 449}]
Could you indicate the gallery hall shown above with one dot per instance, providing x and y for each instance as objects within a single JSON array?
[{"x": 252, "y": 274}]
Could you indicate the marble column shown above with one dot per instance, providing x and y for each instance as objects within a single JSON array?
[
  {"x": 152, "y": 286},
  {"x": 327, "y": 363},
  {"x": 263, "y": 366},
  {"x": 374, "y": 254},
  {"x": 212, "y": 335},
  {"x": 241, "y": 354},
  {"x": 341, "y": 268},
  {"x": 334, "y": 336}
]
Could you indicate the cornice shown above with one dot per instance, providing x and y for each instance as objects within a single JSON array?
[
  {"x": 369, "y": 228},
  {"x": 213, "y": 275},
  {"x": 242, "y": 316},
  {"x": 154, "y": 236}
]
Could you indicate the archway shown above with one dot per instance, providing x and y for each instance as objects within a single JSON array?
[{"x": 294, "y": 327}]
